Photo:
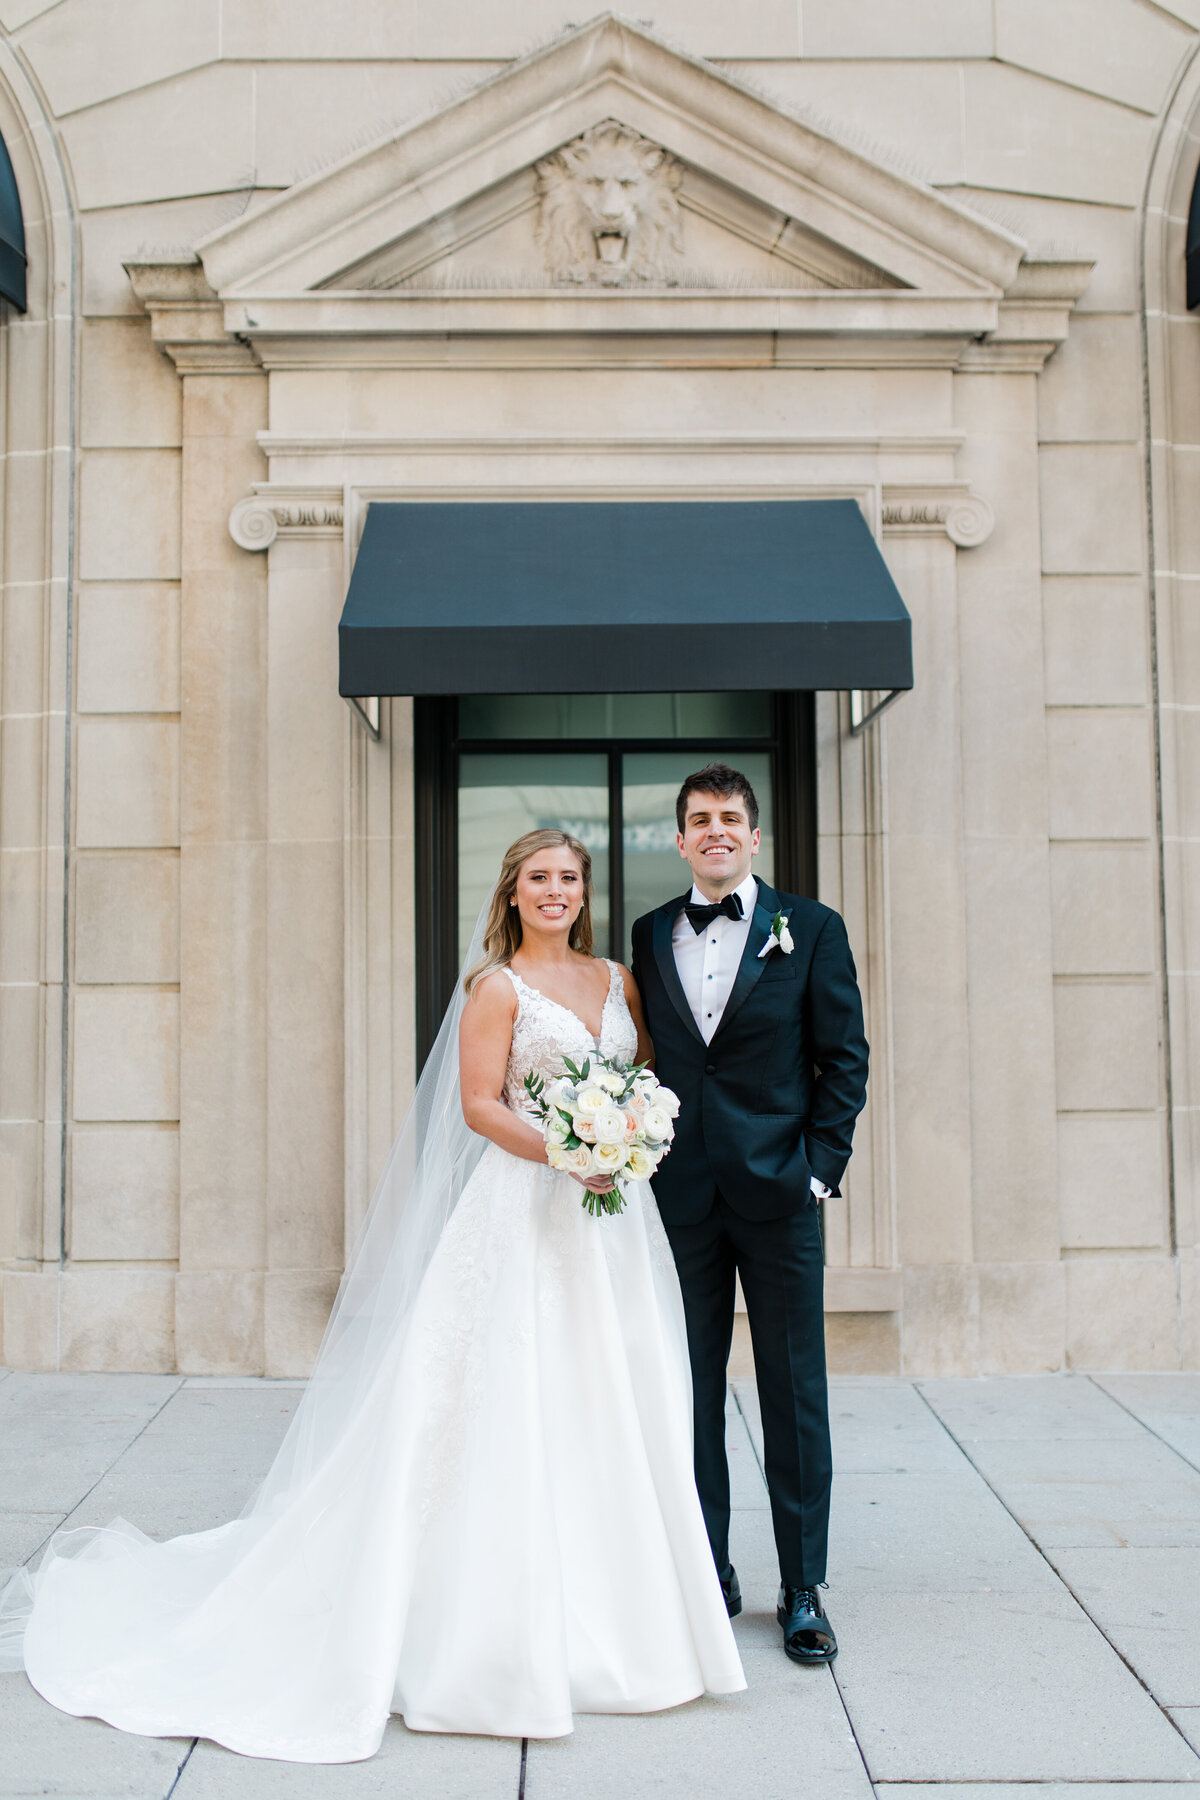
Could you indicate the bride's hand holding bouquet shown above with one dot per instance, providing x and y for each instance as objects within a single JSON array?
[{"x": 604, "y": 1124}]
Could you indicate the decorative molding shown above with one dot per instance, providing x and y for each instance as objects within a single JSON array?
[
  {"x": 256, "y": 521},
  {"x": 187, "y": 320},
  {"x": 930, "y": 509},
  {"x": 945, "y": 443}
]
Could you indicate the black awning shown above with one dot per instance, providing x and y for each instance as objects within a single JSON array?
[
  {"x": 12, "y": 235},
  {"x": 580, "y": 597}
]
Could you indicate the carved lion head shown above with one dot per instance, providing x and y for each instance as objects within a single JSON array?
[{"x": 608, "y": 208}]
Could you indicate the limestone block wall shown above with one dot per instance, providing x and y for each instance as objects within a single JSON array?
[{"x": 196, "y": 1195}]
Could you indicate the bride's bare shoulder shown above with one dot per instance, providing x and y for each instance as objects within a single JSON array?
[{"x": 492, "y": 997}]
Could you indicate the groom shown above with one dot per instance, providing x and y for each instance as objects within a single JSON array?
[{"x": 753, "y": 1005}]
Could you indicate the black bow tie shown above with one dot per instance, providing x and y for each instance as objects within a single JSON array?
[{"x": 700, "y": 917}]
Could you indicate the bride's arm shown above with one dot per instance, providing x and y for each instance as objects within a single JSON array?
[
  {"x": 633, "y": 999},
  {"x": 484, "y": 1042}
]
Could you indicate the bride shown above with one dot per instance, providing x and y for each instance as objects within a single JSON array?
[{"x": 483, "y": 1516}]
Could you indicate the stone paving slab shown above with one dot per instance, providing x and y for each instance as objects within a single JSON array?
[
  {"x": 23, "y": 1533},
  {"x": 1048, "y": 1790},
  {"x": 62, "y": 1432},
  {"x": 1167, "y": 1404},
  {"x": 996, "y": 1687},
  {"x": 43, "y": 1751},
  {"x": 1147, "y": 1603},
  {"x": 197, "y": 1462},
  {"x": 412, "y": 1764},
  {"x": 966, "y": 1661},
  {"x": 1187, "y": 1720},
  {"x": 1026, "y": 1407}
]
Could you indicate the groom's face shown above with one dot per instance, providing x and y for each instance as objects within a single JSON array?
[{"x": 717, "y": 842}]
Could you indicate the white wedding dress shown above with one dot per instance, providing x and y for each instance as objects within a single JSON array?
[{"x": 507, "y": 1531}]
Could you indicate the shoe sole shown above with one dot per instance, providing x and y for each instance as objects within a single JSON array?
[{"x": 733, "y": 1607}]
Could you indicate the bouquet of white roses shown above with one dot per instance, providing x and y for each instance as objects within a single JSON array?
[{"x": 604, "y": 1119}]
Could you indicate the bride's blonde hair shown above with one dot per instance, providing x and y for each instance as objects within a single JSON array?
[{"x": 502, "y": 933}]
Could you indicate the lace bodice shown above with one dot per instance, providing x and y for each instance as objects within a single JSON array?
[{"x": 544, "y": 1032}]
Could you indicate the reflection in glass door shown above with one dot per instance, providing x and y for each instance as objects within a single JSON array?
[{"x": 606, "y": 767}]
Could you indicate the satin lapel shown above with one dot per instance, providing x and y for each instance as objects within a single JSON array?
[
  {"x": 751, "y": 965},
  {"x": 664, "y": 956}
]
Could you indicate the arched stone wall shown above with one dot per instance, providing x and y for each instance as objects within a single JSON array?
[
  {"x": 1172, "y": 451},
  {"x": 37, "y": 504}
]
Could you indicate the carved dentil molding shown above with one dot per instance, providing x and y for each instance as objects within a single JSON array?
[
  {"x": 966, "y": 518},
  {"x": 260, "y": 518}
]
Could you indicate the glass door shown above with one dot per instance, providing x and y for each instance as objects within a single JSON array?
[{"x": 607, "y": 768}]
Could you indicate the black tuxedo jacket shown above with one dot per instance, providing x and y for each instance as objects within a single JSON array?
[{"x": 773, "y": 1099}]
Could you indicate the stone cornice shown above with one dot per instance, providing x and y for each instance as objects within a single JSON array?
[{"x": 187, "y": 320}]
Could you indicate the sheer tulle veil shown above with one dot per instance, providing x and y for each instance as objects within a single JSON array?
[{"x": 341, "y": 1410}]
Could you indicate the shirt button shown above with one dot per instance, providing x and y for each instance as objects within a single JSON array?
[{"x": 710, "y": 1068}]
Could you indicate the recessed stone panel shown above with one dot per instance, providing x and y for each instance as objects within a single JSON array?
[
  {"x": 124, "y": 1196},
  {"x": 127, "y": 919},
  {"x": 85, "y": 54},
  {"x": 1097, "y": 640},
  {"x": 130, "y": 394},
  {"x": 128, "y": 648},
  {"x": 118, "y": 1319},
  {"x": 127, "y": 783},
  {"x": 1126, "y": 53},
  {"x": 1024, "y": 136},
  {"x": 1112, "y": 1195},
  {"x": 1107, "y": 1045},
  {"x": 1122, "y": 1313},
  {"x": 1090, "y": 390},
  {"x": 1105, "y": 908},
  {"x": 1092, "y": 509},
  {"x": 1101, "y": 773},
  {"x": 129, "y": 515},
  {"x": 201, "y": 127},
  {"x": 126, "y": 1059}
]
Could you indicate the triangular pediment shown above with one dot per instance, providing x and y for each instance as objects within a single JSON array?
[{"x": 606, "y": 163}]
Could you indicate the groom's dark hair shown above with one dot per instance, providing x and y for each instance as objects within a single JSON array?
[{"x": 724, "y": 782}]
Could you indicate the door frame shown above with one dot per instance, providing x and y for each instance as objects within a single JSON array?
[{"x": 436, "y": 748}]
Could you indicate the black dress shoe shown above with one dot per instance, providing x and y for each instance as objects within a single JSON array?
[
  {"x": 732, "y": 1592},
  {"x": 807, "y": 1634}
]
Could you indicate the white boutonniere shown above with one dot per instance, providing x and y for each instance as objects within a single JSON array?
[{"x": 780, "y": 938}]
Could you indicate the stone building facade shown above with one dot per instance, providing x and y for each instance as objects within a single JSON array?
[{"x": 285, "y": 262}]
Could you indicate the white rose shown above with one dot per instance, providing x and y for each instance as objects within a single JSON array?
[
  {"x": 578, "y": 1161},
  {"x": 558, "y": 1156},
  {"x": 641, "y": 1164},
  {"x": 557, "y": 1129},
  {"x": 657, "y": 1124},
  {"x": 610, "y": 1127},
  {"x": 608, "y": 1158},
  {"x": 645, "y": 1083},
  {"x": 561, "y": 1092},
  {"x": 785, "y": 940},
  {"x": 584, "y": 1125},
  {"x": 609, "y": 1080},
  {"x": 591, "y": 1099}
]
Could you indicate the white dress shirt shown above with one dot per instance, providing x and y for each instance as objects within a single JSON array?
[
  {"x": 708, "y": 963},
  {"x": 708, "y": 960}
]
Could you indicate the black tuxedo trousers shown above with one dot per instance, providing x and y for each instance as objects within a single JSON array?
[{"x": 769, "y": 1102}]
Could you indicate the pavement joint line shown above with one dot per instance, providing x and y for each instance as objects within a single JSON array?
[
  {"x": 65, "y": 1521},
  {"x": 862, "y": 1755},
  {"x": 1057, "y": 1573},
  {"x": 187, "y": 1757},
  {"x": 524, "y": 1766},
  {"x": 1101, "y": 1389}
]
